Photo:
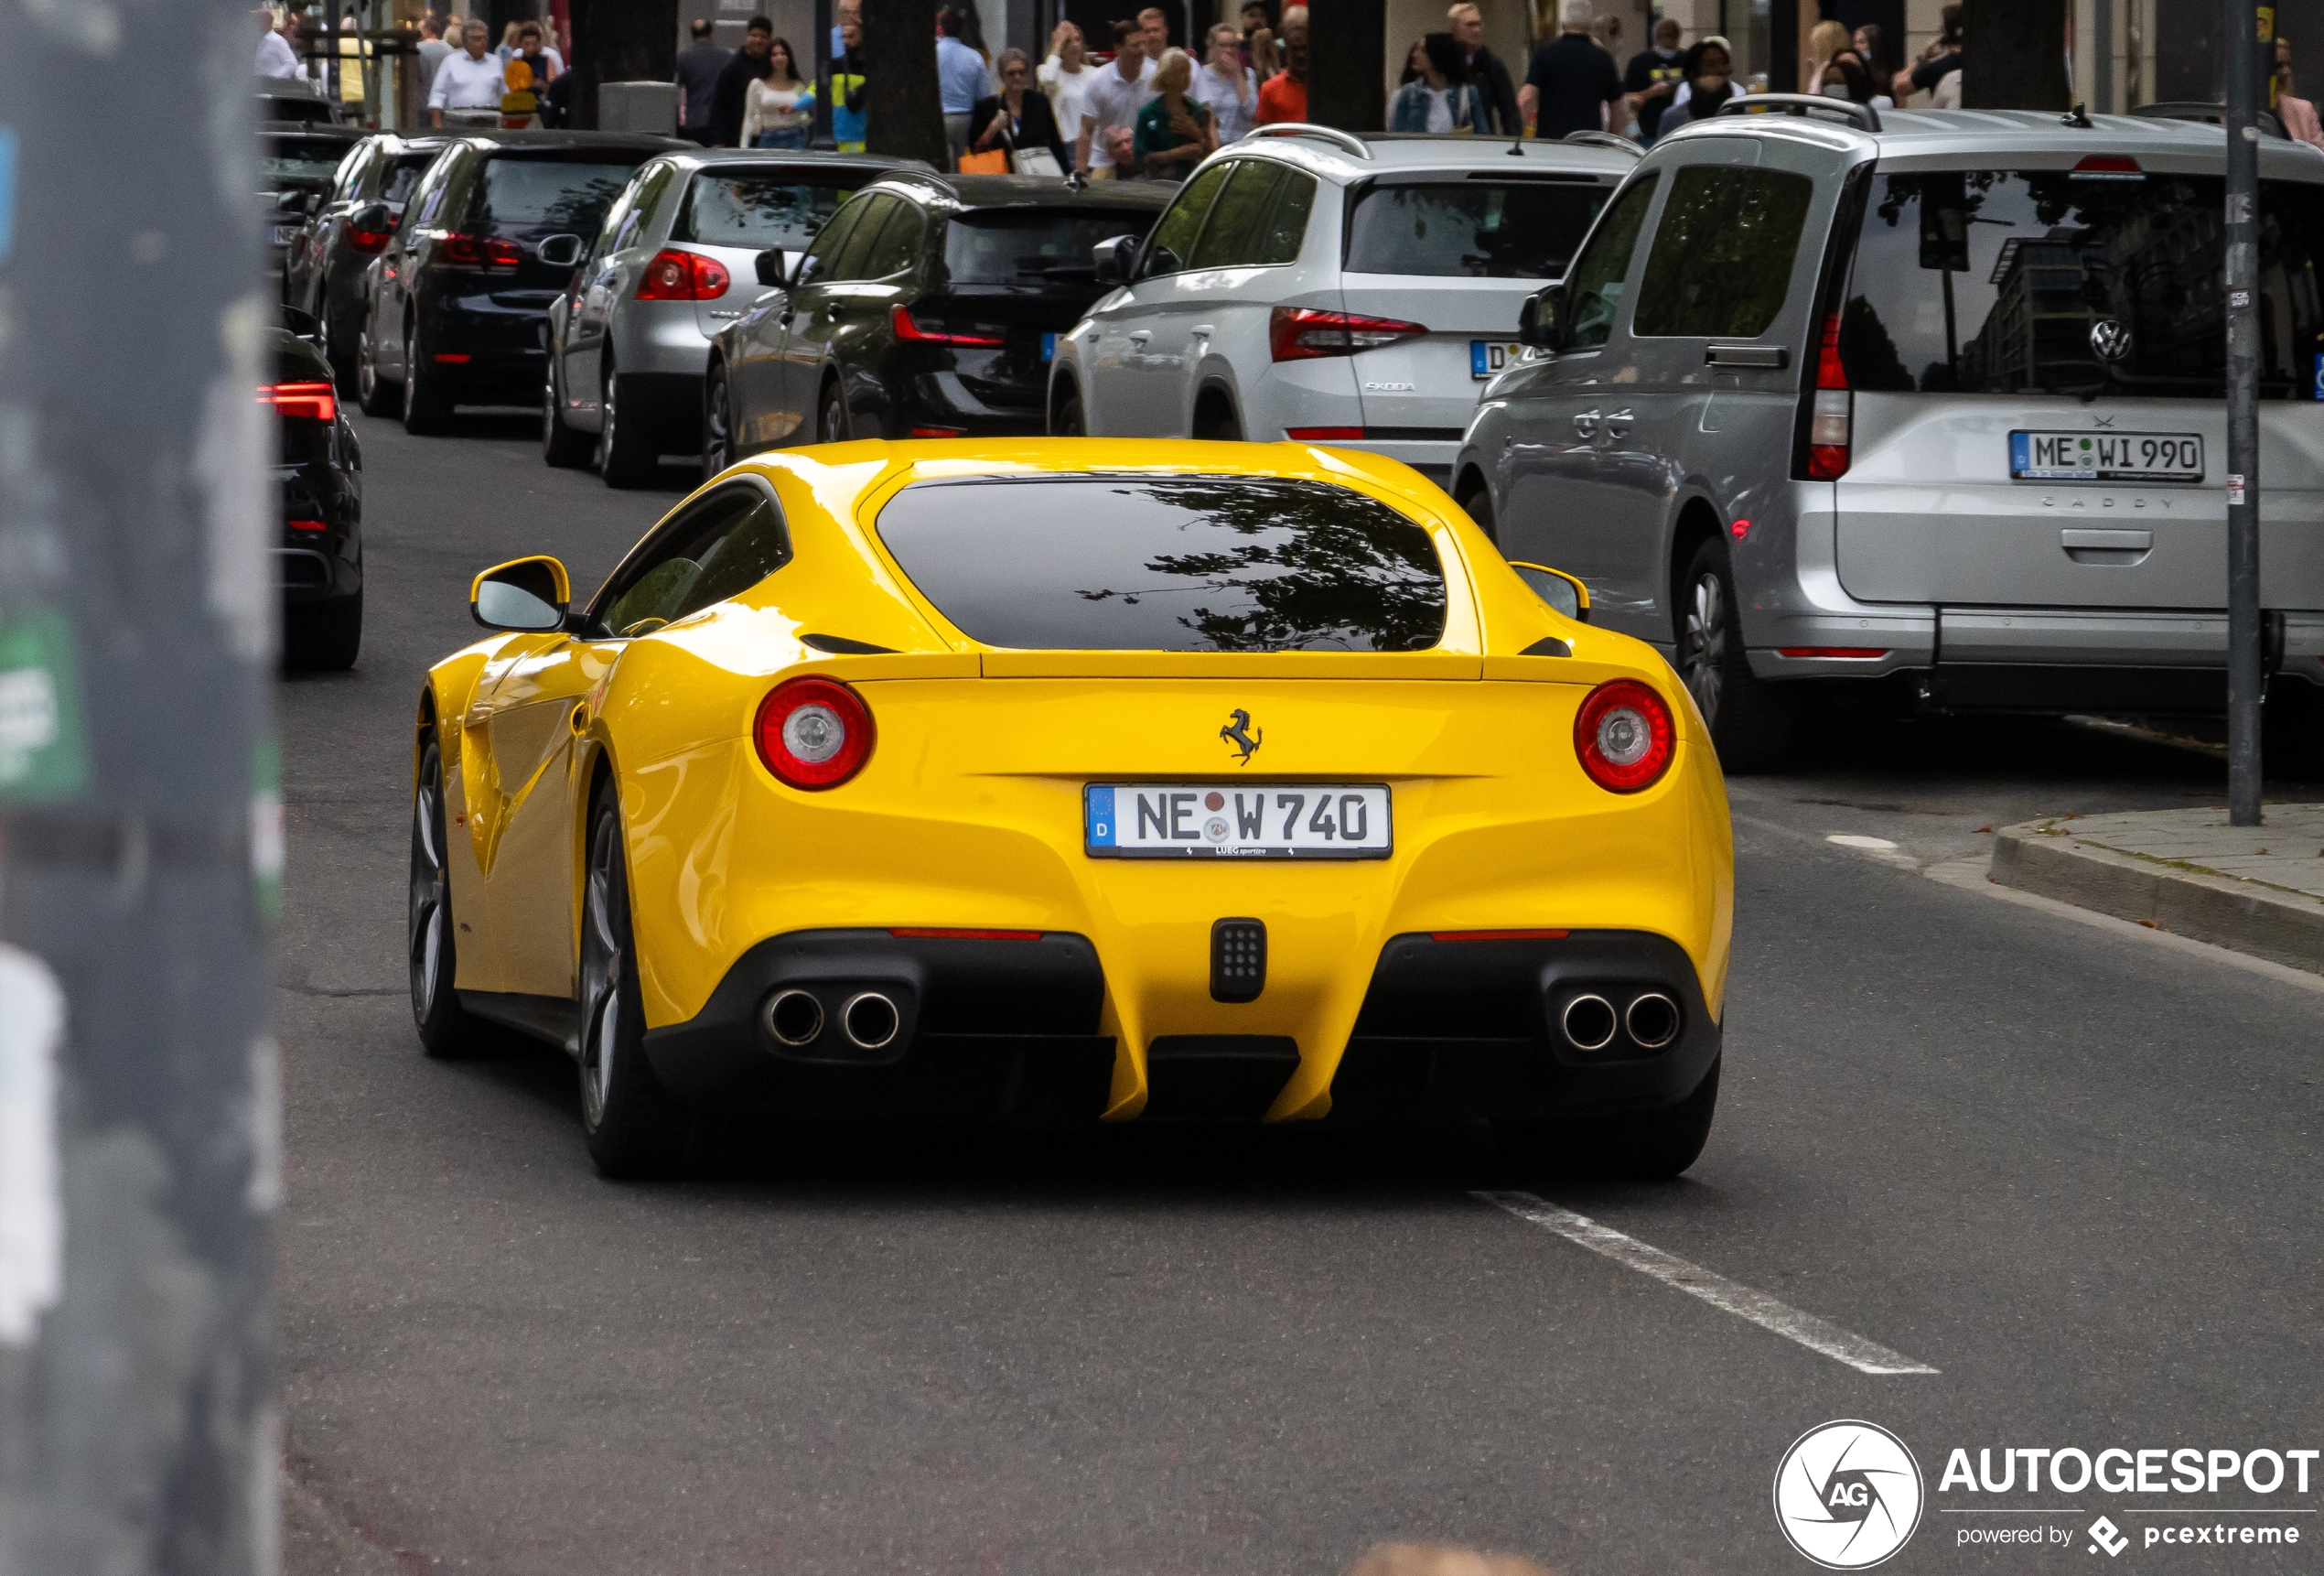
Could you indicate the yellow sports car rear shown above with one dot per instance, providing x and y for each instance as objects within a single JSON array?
[{"x": 1071, "y": 780}]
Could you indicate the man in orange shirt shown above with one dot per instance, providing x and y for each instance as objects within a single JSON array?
[{"x": 1284, "y": 96}]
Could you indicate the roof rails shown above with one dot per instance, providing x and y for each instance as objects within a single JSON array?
[
  {"x": 1865, "y": 117},
  {"x": 1605, "y": 139},
  {"x": 2197, "y": 110},
  {"x": 1338, "y": 139}
]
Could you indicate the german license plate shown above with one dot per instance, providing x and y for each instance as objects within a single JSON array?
[
  {"x": 283, "y": 234},
  {"x": 1237, "y": 820},
  {"x": 1049, "y": 346},
  {"x": 1490, "y": 358},
  {"x": 2106, "y": 456}
]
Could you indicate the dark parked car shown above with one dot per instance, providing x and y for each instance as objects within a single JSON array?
[
  {"x": 928, "y": 306},
  {"x": 320, "y": 472},
  {"x": 459, "y": 299},
  {"x": 298, "y": 99},
  {"x": 324, "y": 274},
  {"x": 297, "y": 164}
]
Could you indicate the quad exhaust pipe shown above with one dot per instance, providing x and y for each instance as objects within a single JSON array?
[
  {"x": 1652, "y": 1021},
  {"x": 795, "y": 1017},
  {"x": 869, "y": 1020},
  {"x": 1590, "y": 1021}
]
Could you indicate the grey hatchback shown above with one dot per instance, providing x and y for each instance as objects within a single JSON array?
[{"x": 1932, "y": 400}]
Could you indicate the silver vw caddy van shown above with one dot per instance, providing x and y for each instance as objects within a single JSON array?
[{"x": 1931, "y": 400}]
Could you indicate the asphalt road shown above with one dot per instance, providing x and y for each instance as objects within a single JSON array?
[{"x": 2072, "y": 1171}]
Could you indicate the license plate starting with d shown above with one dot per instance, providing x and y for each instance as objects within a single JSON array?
[
  {"x": 2105, "y": 456},
  {"x": 1238, "y": 820},
  {"x": 1490, "y": 358}
]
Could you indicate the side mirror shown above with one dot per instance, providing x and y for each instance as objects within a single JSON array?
[
  {"x": 769, "y": 266},
  {"x": 292, "y": 202},
  {"x": 304, "y": 325},
  {"x": 560, "y": 251},
  {"x": 372, "y": 219},
  {"x": 1558, "y": 588},
  {"x": 1114, "y": 258},
  {"x": 1540, "y": 321},
  {"x": 527, "y": 595}
]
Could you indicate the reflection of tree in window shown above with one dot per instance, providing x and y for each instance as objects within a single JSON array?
[
  {"x": 757, "y": 211},
  {"x": 527, "y": 194},
  {"x": 1476, "y": 230}
]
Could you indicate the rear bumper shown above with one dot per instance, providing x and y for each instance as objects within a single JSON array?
[{"x": 1009, "y": 1031}]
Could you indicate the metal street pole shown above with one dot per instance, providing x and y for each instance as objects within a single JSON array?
[
  {"x": 2245, "y": 676},
  {"x": 821, "y": 137},
  {"x": 139, "y": 819}
]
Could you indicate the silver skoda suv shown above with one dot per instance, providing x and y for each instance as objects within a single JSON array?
[{"x": 1930, "y": 400}]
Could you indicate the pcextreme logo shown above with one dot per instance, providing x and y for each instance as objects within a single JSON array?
[{"x": 1847, "y": 1494}]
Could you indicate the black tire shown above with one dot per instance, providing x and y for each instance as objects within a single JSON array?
[
  {"x": 1479, "y": 505},
  {"x": 374, "y": 394},
  {"x": 2291, "y": 730},
  {"x": 338, "y": 349},
  {"x": 1639, "y": 1146},
  {"x": 1225, "y": 426},
  {"x": 447, "y": 1028},
  {"x": 1069, "y": 422},
  {"x": 561, "y": 446},
  {"x": 427, "y": 410},
  {"x": 626, "y": 456},
  {"x": 718, "y": 422},
  {"x": 633, "y": 1126},
  {"x": 832, "y": 425},
  {"x": 1750, "y": 719},
  {"x": 323, "y": 636}
]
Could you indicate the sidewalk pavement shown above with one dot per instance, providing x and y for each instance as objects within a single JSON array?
[{"x": 2259, "y": 890}]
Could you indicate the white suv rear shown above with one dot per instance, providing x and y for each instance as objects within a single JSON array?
[{"x": 1314, "y": 286}]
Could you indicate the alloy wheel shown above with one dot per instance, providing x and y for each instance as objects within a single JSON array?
[
  {"x": 426, "y": 936},
  {"x": 606, "y": 427},
  {"x": 1703, "y": 645},
  {"x": 367, "y": 373},
  {"x": 834, "y": 419},
  {"x": 601, "y": 971},
  {"x": 716, "y": 446}
]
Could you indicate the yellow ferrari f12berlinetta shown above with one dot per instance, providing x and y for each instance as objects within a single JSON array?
[{"x": 1072, "y": 781}]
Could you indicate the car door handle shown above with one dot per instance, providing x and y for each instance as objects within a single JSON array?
[
  {"x": 1140, "y": 336},
  {"x": 1203, "y": 330},
  {"x": 1617, "y": 423},
  {"x": 1587, "y": 422},
  {"x": 1775, "y": 356}
]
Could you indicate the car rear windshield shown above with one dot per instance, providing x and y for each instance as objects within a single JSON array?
[
  {"x": 309, "y": 158},
  {"x": 1473, "y": 229},
  {"x": 1016, "y": 246},
  {"x": 761, "y": 209},
  {"x": 404, "y": 174},
  {"x": 1172, "y": 564},
  {"x": 567, "y": 193},
  {"x": 2001, "y": 281}
]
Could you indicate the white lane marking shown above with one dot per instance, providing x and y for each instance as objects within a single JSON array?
[
  {"x": 1971, "y": 875},
  {"x": 1852, "y": 840},
  {"x": 1731, "y": 1297}
]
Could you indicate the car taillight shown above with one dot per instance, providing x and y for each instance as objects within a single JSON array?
[
  {"x": 1828, "y": 417},
  {"x": 368, "y": 240},
  {"x": 900, "y": 318},
  {"x": 314, "y": 401},
  {"x": 1302, "y": 333},
  {"x": 478, "y": 252},
  {"x": 813, "y": 733},
  {"x": 1624, "y": 736},
  {"x": 1324, "y": 434},
  {"x": 675, "y": 275}
]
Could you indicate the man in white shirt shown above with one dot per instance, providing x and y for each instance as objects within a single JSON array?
[
  {"x": 275, "y": 57},
  {"x": 469, "y": 81},
  {"x": 1110, "y": 109}
]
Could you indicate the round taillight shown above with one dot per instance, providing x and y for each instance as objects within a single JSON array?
[
  {"x": 667, "y": 273},
  {"x": 1624, "y": 736},
  {"x": 813, "y": 732}
]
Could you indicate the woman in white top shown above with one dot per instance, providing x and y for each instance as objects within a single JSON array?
[
  {"x": 1066, "y": 76},
  {"x": 772, "y": 115},
  {"x": 1226, "y": 87}
]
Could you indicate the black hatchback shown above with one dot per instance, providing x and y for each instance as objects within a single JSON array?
[
  {"x": 318, "y": 474},
  {"x": 458, "y": 302},
  {"x": 928, "y": 306}
]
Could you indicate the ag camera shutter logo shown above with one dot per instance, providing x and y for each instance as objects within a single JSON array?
[{"x": 1847, "y": 1494}]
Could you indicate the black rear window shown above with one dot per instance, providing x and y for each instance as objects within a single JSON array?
[
  {"x": 1012, "y": 246},
  {"x": 762, "y": 209},
  {"x": 1173, "y": 564},
  {"x": 1998, "y": 281},
  {"x": 284, "y": 157},
  {"x": 404, "y": 174},
  {"x": 562, "y": 194},
  {"x": 1473, "y": 229}
]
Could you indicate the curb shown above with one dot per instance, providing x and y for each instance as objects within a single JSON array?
[{"x": 2047, "y": 857}]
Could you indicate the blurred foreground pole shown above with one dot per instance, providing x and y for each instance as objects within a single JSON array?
[
  {"x": 140, "y": 827},
  {"x": 2246, "y": 675}
]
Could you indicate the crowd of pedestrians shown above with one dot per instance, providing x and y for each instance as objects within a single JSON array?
[{"x": 463, "y": 78}]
